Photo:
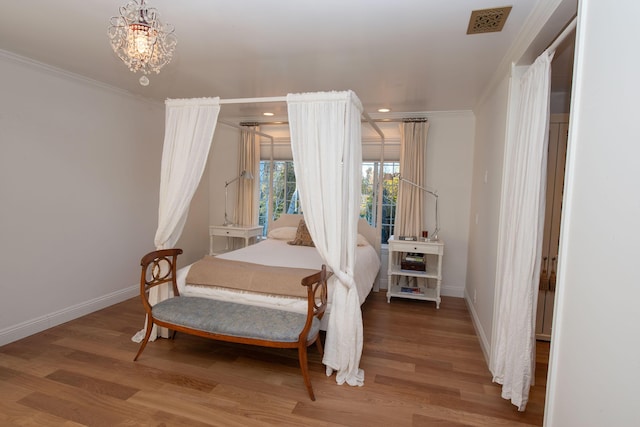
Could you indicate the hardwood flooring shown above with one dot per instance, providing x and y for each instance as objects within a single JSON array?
[{"x": 423, "y": 367}]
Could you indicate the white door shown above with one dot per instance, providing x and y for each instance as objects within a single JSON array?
[{"x": 558, "y": 133}]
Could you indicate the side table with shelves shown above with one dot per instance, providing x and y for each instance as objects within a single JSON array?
[
  {"x": 246, "y": 232},
  {"x": 432, "y": 252}
]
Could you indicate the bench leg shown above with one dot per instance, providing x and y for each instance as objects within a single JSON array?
[
  {"x": 302, "y": 357},
  {"x": 147, "y": 334}
]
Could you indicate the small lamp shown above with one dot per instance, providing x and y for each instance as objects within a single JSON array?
[
  {"x": 244, "y": 175},
  {"x": 434, "y": 235}
]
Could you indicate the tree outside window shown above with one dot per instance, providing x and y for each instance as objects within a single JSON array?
[{"x": 285, "y": 194}]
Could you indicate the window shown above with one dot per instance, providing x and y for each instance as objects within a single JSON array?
[
  {"x": 368, "y": 207},
  {"x": 283, "y": 190},
  {"x": 285, "y": 194}
]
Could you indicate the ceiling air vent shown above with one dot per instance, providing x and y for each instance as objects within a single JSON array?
[{"x": 488, "y": 20}]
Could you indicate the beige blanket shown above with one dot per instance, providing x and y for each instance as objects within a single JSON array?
[{"x": 246, "y": 276}]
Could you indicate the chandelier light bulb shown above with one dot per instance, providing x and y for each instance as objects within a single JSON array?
[{"x": 141, "y": 42}]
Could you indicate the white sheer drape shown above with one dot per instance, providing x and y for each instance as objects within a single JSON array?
[
  {"x": 189, "y": 128},
  {"x": 520, "y": 236},
  {"x": 327, "y": 152}
]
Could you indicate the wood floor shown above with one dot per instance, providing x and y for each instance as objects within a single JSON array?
[{"x": 423, "y": 367}]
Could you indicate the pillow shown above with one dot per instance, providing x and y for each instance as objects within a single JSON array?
[
  {"x": 283, "y": 233},
  {"x": 302, "y": 238},
  {"x": 291, "y": 233}
]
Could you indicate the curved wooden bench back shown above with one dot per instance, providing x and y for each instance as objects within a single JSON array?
[{"x": 158, "y": 268}]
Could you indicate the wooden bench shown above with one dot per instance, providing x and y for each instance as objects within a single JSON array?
[{"x": 228, "y": 321}]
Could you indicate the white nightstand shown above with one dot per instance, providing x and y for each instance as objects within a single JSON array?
[
  {"x": 246, "y": 232},
  {"x": 432, "y": 252}
]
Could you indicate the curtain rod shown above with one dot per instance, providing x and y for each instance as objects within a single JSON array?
[
  {"x": 253, "y": 100},
  {"x": 233, "y": 125},
  {"x": 284, "y": 99},
  {"x": 405, "y": 120},
  {"x": 563, "y": 35},
  {"x": 398, "y": 120},
  {"x": 373, "y": 125}
]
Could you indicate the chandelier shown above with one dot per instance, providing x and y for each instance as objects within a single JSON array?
[{"x": 141, "y": 40}]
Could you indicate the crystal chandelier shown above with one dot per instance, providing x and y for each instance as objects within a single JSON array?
[{"x": 141, "y": 40}]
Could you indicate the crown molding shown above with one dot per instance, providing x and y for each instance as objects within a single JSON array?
[{"x": 74, "y": 77}]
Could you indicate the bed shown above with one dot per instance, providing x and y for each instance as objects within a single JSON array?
[{"x": 274, "y": 256}]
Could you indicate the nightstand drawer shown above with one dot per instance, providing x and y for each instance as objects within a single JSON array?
[
  {"x": 435, "y": 247},
  {"x": 229, "y": 232},
  {"x": 248, "y": 233}
]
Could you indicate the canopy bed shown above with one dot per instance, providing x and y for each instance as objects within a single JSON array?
[{"x": 326, "y": 143}]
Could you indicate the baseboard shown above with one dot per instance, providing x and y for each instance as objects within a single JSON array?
[
  {"x": 484, "y": 342},
  {"x": 452, "y": 291},
  {"x": 39, "y": 324}
]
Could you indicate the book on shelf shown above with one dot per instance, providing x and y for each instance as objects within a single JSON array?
[
  {"x": 411, "y": 290},
  {"x": 413, "y": 262}
]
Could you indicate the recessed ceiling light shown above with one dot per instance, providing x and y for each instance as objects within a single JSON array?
[
  {"x": 384, "y": 110},
  {"x": 267, "y": 114}
]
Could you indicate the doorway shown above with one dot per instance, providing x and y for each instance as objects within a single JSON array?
[
  {"x": 561, "y": 80},
  {"x": 557, "y": 153}
]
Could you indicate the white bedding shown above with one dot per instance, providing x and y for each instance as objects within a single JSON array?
[{"x": 278, "y": 253}]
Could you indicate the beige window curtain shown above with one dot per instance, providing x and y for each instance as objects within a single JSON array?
[
  {"x": 411, "y": 199},
  {"x": 247, "y": 203}
]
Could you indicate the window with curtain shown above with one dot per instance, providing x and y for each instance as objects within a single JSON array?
[{"x": 285, "y": 195}]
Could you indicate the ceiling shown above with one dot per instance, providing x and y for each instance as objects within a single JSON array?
[{"x": 407, "y": 55}]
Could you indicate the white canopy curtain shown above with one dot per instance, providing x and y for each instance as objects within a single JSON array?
[
  {"x": 189, "y": 128},
  {"x": 327, "y": 152},
  {"x": 247, "y": 205},
  {"x": 520, "y": 236},
  {"x": 410, "y": 202}
]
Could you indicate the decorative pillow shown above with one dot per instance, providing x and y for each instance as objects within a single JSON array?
[
  {"x": 362, "y": 241},
  {"x": 283, "y": 233},
  {"x": 303, "y": 238}
]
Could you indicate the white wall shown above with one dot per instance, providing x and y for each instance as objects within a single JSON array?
[
  {"x": 79, "y": 179},
  {"x": 223, "y": 166},
  {"x": 491, "y": 119},
  {"x": 194, "y": 240},
  {"x": 450, "y": 149},
  {"x": 595, "y": 350}
]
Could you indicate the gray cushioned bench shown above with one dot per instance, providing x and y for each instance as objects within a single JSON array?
[
  {"x": 229, "y": 321},
  {"x": 233, "y": 319}
]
